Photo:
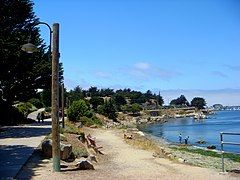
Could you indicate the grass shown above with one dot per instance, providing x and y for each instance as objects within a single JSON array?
[
  {"x": 143, "y": 143},
  {"x": 80, "y": 151},
  {"x": 62, "y": 137},
  {"x": 70, "y": 128},
  {"x": 233, "y": 157}
]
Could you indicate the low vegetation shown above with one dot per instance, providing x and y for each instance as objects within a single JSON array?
[{"x": 233, "y": 157}]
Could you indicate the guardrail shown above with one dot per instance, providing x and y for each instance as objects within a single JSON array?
[{"x": 229, "y": 143}]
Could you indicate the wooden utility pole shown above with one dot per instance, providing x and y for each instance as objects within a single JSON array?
[
  {"x": 55, "y": 99},
  {"x": 63, "y": 124}
]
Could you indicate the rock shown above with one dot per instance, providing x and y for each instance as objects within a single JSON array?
[
  {"x": 47, "y": 148},
  {"x": 211, "y": 147},
  {"x": 140, "y": 133},
  {"x": 84, "y": 165},
  {"x": 94, "y": 126},
  {"x": 92, "y": 158},
  {"x": 181, "y": 160},
  {"x": 65, "y": 149}
]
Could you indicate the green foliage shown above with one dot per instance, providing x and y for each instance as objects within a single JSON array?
[
  {"x": 48, "y": 109},
  {"x": 108, "y": 109},
  {"x": 134, "y": 108},
  {"x": 78, "y": 109},
  {"x": 70, "y": 128},
  {"x": 36, "y": 102},
  {"x": 95, "y": 101},
  {"x": 198, "y": 102},
  {"x": 231, "y": 156},
  {"x": 75, "y": 94},
  {"x": 45, "y": 96},
  {"x": 25, "y": 108},
  {"x": 90, "y": 121},
  {"x": 106, "y": 92},
  {"x": 160, "y": 99},
  {"x": 11, "y": 115},
  {"x": 119, "y": 100},
  {"x": 180, "y": 102},
  {"x": 80, "y": 151},
  {"x": 93, "y": 91},
  {"x": 21, "y": 73}
]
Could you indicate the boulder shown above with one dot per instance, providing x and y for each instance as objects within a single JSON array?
[
  {"x": 84, "y": 165},
  {"x": 181, "y": 160},
  {"x": 47, "y": 148},
  {"x": 65, "y": 149}
]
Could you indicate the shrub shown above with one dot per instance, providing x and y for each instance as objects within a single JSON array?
[
  {"x": 11, "y": 115},
  {"x": 25, "y": 108},
  {"x": 48, "y": 109},
  {"x": 78, "y": 109},
  {"x": 108, "y": 109},
  {"x": 90, "y": 121},
  {"x": 36, "y": 102}
]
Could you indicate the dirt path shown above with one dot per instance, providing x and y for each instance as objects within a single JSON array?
[{"x": 122, "y": 161}]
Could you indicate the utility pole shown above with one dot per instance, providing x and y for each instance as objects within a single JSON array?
[
  {"x": 63, "y": 124},
  {"x": 55, "y": 99}
]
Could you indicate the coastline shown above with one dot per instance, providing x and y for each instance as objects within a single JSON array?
[{"x": 191, "y": 155}]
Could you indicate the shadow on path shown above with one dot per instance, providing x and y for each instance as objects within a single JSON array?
[
  {"x": 12, "y": 159},
  {"x": 32, "y": 130}
]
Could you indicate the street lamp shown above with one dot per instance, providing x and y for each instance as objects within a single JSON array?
[{"x": 54, "y": 43}]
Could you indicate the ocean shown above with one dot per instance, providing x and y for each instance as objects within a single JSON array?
[{"x": 206, "y": 129}]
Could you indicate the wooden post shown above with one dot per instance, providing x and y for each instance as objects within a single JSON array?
[
  {"x": 63, "y": 124},
  {"x": 55, "y": 99}
]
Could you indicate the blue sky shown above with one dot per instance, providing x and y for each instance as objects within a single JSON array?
[{"x": 178, "y": 47}]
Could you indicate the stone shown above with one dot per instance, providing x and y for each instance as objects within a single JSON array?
[
  {"x": 94, "y": 126},
  {"x": 181, "y": 160},
  {"x": 47, "y": 148},
  {"x": 65, "y": 149},
  {"x": 85, "y": 165},
  {"x": 92, "y": 158}
]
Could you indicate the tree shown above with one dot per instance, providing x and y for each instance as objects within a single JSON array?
[
  {"x": 75, "y": 94},
  {"x": 106, "y": 92},
  {"x": 78, "y": 109},
  {"x": 198, "y": 102},
  {"x": 160, "y": 100},
  {"x": 95, "y": 101},
  {"x": 108, "y": 109},
  {"x": 181, "y": 101},
  {"x": 93, "y": 91},
  {"x": 21, "y": 74},
  {"x": 136, "y": 108},
  {"x": 119, "y": 100}
]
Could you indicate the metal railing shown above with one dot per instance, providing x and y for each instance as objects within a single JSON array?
[{"x": 229, "y": 143}]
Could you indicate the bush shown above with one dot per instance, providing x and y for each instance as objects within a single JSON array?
[
  {"x": 90, "y": 121},
  {"x": 78, "y": 109},
  {"x": 11, "y": 115},
  {"x": 108, "y": 109},
  {"x": 36, "y": 102},
  {"x": 48, "y": 109},
  {"x": 25, "y": 108}
]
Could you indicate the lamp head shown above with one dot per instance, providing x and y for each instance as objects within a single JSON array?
[{"x": 29, "y": 48}]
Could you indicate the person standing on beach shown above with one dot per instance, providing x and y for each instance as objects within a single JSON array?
[
  {"x": 180, "y": 138},
  {"x": 186, "y": 140}
]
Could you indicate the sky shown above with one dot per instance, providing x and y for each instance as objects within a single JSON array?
[{"x": 175, "y": 47}]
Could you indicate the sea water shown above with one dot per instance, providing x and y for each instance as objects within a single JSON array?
[{"x": 206, "y": 129}]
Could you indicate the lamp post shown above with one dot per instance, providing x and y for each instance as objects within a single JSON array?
[{"x": 30, "y": 48}]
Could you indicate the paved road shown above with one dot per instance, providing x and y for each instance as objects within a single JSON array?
[{"x": 17, "y": 144}]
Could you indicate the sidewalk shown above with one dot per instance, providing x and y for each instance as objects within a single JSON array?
[{"x": 17, "y": 143}]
